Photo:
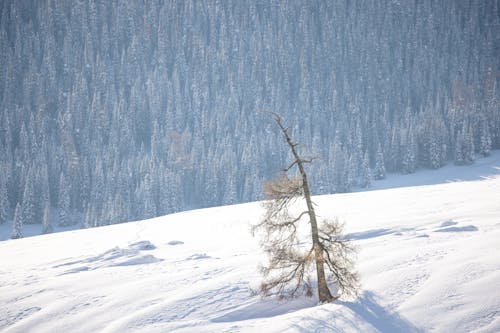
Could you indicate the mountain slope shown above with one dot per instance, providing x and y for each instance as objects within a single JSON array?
[
  {"x": 139, "y": 109},
  {"x": 428, "y": 258}
]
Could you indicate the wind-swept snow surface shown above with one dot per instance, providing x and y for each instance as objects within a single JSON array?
[{"x": 429, "y": 260}]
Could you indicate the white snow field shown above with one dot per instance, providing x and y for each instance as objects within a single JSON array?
[{"x": 428, "y": 256}]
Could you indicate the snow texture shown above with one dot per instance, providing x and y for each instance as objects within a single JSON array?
[{"x": 428, "y": 257}]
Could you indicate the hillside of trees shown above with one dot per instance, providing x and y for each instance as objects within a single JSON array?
[{"x": 113, "y": 111}]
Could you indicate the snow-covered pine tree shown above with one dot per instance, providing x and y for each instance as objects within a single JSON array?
[
  {"x": 409, "y": 162},
  {"x": 365, "y": 177},
  {"x": 464, "y": 145},
  {"x": 42, "y": 190},
  {"x": 459, "y": 157},
  {"x": 17, "y": 226},
  {"x": 63, "y": 200},
  {"x": 395, "y": 150},
  {"x": 484, "y": 139},
  {"x": 4, "y": 200},
  {"x": 28, "y": 201},
  {"x": 47, "y": 219},
  {"x": 434, "y": 154},
  {"x": 379, "y": 163},
  {"x": 469, "y": 149},
  {"x": 146, "y": 196},
  {"x": 90, "y": 220}
]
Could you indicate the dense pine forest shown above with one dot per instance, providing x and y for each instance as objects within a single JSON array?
[{"x": 112, "y": 111}]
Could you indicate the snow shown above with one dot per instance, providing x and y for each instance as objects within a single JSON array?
[{"x": 428, "y": 256}]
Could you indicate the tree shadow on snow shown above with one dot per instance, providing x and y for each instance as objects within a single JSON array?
[
  {"x": 370, "y": 311},
  {"x": 369, "y": 234},
  {"x": 265, "y": 309},
  {"x": 365, "y": 312}
]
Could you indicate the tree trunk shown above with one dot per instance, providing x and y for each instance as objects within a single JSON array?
[{"x": 323, "y": 290}]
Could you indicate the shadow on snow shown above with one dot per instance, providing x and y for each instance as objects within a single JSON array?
[
  {"x": 382, "y": 319},
  {"x": 365, "y": 311}
]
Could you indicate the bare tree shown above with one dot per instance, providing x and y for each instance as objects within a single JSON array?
[{"x": 290, "y": 260}]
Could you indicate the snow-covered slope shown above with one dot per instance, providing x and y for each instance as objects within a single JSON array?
[{"x": 429, "y": 259}]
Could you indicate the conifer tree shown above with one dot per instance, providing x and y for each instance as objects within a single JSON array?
[
  {"x": 459, "y": 147},
  {"x": 410, "y": 153},
  {"x": 28, "y": 200},
  {"x": 64, "y": 202},
  {"x": 147, "y": 197},
  {"x": 379, "y": 164},
  {"x": 485, "y": 139},
  {"x": 18, "y": 223},
  {"x": 4, "y": 202},
  {"x": 464, "y": 145},
  {"x": 365, "y": 177},
  {"x": 469, "y": 149},
  {"x": 90, "y": 219},
  {"x": 47, "y": 219},
  {"x": 434, "y": 153}
]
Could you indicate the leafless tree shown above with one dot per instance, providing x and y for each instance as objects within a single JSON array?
[{"x": 290, "y": 259}]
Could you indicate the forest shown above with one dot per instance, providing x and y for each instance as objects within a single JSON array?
[{"x": 113, "y": 111}]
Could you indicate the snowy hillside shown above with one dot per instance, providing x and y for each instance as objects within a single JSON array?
[
  {"x": 125, "y": 110},
  {"x": 429, "y": 260}
]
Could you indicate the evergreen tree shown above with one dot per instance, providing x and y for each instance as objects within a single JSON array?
[
  {"x": 97, "y": 191},
  {"x": 464, "y": 145},
  {"x": 145, "y": 195},
  {"x": 410, "y": 153},
  {"x": 230, "y": 195},
  {"x": 395, "y": 151},
  {"x": 64, "y": 202},
  {"x": 28, "y": 201},
  {"x": 351, "y": 173},
  {"x": 459, "y": 149},
  {"x": 47, "y": 219},
  {"x": 469, "y": 149},
  {"x": 90, "y": 219},
  {"x": 434, "y": 154},
  {"x": 18, "y": 223},
  {"x": 484, "y": 139},
  {"x": 365, "y": 177},
  {"x": 4, "y": 202},
  {"x": 379, "y": 164}
]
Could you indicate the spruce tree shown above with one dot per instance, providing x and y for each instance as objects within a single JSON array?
[
  {"x": 435, "y": 155},
  {"x": 47, "y": 219},
  {"x": 28, "y": 200},
  {"x": 365, "y": 177},
  {"x": 459, "y": 157},
  {"x": 379, "y": 164},
  {"x": 4, "y": 202},
  {"x": 485, "y": 139},
  {"x": 64, "y": 202},
  {"x": 469, "y": 146},
  {"x": 18, "y": 223}
]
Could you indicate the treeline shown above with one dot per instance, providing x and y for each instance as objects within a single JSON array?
[{"x": 112, "y": 111}]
